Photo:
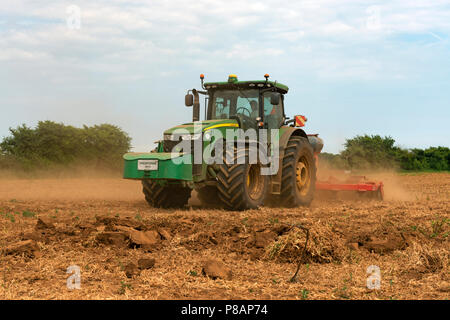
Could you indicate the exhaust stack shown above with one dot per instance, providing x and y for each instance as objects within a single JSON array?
[{"x": 196, "y": 106}]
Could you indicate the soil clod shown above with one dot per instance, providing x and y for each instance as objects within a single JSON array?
[
  {"x": 28, "y": 248},
  {"x": 146, "y": 263},
  {"x": 215, "y": 269},
  {"x": 131, "y": 270}
]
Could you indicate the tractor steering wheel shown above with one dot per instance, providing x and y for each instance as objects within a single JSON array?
[{"x": 245, "y": 109}]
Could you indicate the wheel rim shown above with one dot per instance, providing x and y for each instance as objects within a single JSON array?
[
  {"x": 303, "y": 177},
  {"x": 255, "y": 182}
]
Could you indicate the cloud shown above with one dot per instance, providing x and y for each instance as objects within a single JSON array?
[
  {"x": 195, "y": 39},
  {"x": 247, "y": 51},
  {"x": 140, "y": 53}
]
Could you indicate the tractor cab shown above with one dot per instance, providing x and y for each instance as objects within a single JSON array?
[{"x": 254, "y": 104}]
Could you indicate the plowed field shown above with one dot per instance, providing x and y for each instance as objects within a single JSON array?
[{"x": 125, "y": 249}]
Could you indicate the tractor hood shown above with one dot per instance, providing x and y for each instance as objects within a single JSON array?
[{"x": 201, "y": 126}]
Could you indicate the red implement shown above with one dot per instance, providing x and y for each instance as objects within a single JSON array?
[
  {"x": 360, "y": 184},
  {"x": 353, "y": 183}
]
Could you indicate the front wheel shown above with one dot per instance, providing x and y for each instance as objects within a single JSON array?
[
  {"x": 298, "y": 181},
  {"x": 165, "y": 196}
]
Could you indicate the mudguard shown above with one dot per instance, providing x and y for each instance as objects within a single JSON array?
[{"x": 285, "y": 134}]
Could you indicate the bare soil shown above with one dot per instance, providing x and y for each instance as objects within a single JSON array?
[{"x": 128, "y": 250}]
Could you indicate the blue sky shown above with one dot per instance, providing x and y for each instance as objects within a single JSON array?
[{"x": 353, "y": 67}]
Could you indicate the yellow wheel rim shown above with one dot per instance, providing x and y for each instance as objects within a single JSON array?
[
  {"x": 303, "y": 178},
  {"x": 255, "y": 182}
]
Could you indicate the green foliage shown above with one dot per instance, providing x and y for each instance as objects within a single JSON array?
[
  {"x": 368, "y": 152},
  {"x": 124, "y": 286},
  {"x": 28, "y": 214},
  {"x": 429, "y": 159},
  {"x": 192, "y": 273},
  {"x": 304, "y": 294},
  {"x": 9, "y": 216},
  {"x": 333, "y": 160},
  {"x": 376, "y": 152},
  {"x": 440, "y": 226},
  {"x": 53, "y": 143}
]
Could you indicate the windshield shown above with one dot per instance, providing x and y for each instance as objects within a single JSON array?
[{"x": 227, "y": 103}]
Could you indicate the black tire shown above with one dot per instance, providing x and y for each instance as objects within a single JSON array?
[
  {"x": 241, "y": 185},
  {"x": 209, "y": 196},
  {"x": 168, "y": 196},
  {"x": 298, "y": 182}
]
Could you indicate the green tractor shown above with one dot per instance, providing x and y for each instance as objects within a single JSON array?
[{"x": 244, "y": 154}]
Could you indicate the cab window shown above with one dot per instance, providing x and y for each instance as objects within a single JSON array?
[
  {"x": 248, "y": 106},
  {"x": 222, "y": 109},
  {"x": 273, "y": 114},
  {"x": 227, "y": 103}
]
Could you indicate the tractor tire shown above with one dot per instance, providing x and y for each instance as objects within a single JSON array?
[
  {"x": 169, "y": 196},
  {"x": 240, "y": 185},
  {"x": 298, "y": 182},
  {"x": 209, "y": 196}
]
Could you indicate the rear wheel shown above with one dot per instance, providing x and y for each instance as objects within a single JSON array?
[
  {"x": 240, "y": 184},
  {"x": 299, "y": 173},
  {"x": 167, "y": 196}
]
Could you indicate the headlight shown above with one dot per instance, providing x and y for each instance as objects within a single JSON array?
[
  {"x": 191, "y": 136},
  {"x": 185, "y": 137},
  {"x": 207, "y": 136},
  {"x": 170, "y": 137}
]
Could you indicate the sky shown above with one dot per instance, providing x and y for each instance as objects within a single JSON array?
[{"x": 353, "y": 67}]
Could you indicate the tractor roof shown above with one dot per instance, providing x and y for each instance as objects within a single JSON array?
[{"x": 251, "y": 84}]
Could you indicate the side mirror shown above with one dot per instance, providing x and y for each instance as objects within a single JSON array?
[
  {"x": 275, "y": 98},
  {"x": 189, "y": 100}
]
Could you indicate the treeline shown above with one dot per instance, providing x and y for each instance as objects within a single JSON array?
[
  {"x": 53, "y": 144},
  {"x": 376, "y": 152}
]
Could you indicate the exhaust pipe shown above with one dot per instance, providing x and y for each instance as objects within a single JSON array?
[{"x": 196, "y": 106}]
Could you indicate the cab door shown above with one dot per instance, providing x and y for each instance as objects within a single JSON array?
[
  {"x": 247, "y": 112},
  {"x": 273, "y": 114}
]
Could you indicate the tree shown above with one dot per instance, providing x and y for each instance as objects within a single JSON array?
[
  {"x": 376, "y": 152},
  {"x": 368, "y": 152},
  {"x": 53, "y": 143}
]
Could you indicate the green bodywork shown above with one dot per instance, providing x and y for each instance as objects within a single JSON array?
[
  {"x": 168, "y": 169},
  {"x": 202, "y": 126},
  {"x": 174, "y": 166}
]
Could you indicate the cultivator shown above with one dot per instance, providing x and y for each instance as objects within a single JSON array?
[
  {"x": 360, "y": 184},
  {"x": 363, "y": 187}
]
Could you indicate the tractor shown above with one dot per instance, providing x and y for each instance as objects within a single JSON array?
[{"x": 245, "y": 153}]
